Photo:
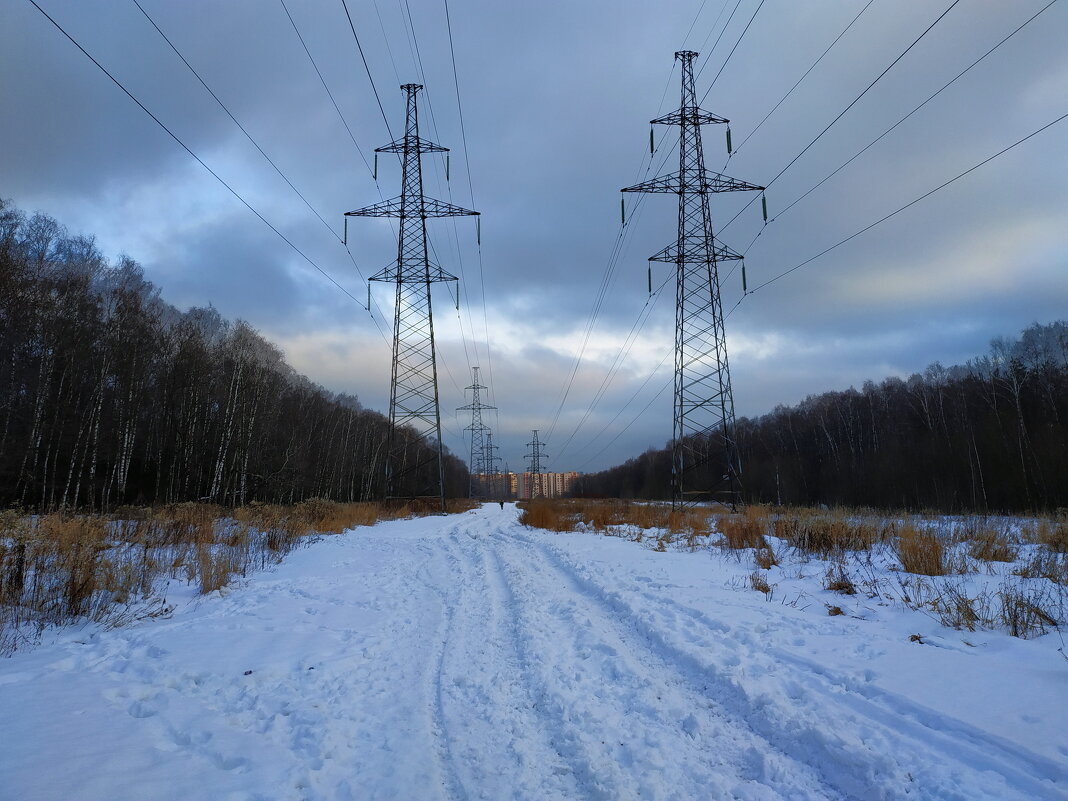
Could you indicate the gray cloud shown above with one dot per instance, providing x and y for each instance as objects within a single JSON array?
[{"x": 556, "y": 100}]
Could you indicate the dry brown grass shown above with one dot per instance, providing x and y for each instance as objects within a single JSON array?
[
  {"x": 565, "y": 514},
  {"x": 551, "y": 515},
  {"x": 838, "y": 580},
  {"x": 1047, "y": 564},
  {"x": 745, "y": 530},
  {"x": 1027, "y": 613},
  {"x": 765, "y": 558},
  {"x": 1053, "y": 534},
  {"x": 992, "y": 546},
  {"x": 759, "y": 582},
  {"x": 56, "y": 568},
  {"x": 826, "y": 534},
  {"x": 921, "y": 551}
]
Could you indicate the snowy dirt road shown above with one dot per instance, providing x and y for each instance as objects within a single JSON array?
[{"x": 472, "y": 658}]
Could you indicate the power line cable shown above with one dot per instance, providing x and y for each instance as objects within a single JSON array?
[
  {"x": 866, "y": 90},
  {"x": 256, "y": 144},
  {"x": 708, "y": 56},
  {"x": 728, "y": 58},
  {"x": 385, "y": 41},
  {"x": 842, "y": 113},
  {"x": 330, "y": 94},
  {"x": 348, "y": 129},
  {"x": 929, "y": 98},
  {"x": 695, "y": 18},
  {"x": 471, "y": 191},
  {"x": 200, "y": 161},
  {"x": 236, "y": 122},
  {"x": 636, "y": 328},
  {"x": 636, "y": 417},
  {"x": 911, "y": 203},
  {"x": 366, "y": 68},
  {"x": 804, "y": 75}
]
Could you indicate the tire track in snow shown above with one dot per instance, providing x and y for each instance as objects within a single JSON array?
[
  {"x": 888, "y": 726},
  {"x": 499, "y": 745},
  {"x": 451, "y": 784},
  {"x": 956, "y": 739},
  {"x": 644, "y": 730}
]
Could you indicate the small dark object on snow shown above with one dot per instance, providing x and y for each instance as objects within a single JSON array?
[
  {"x": 916, "y": 638},
  {"x": 501, "y": 503},
  {"x": 248, "y": 672}
]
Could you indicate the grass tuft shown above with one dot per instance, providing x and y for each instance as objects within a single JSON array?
[
  {"x": 837, "y": 580},
  {"x": 920, "y": 551}
]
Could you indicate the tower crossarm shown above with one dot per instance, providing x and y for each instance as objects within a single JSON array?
[
  {"x": 433, "y": 274},
  {"x": 689, "y": 116},
  {"x": 411, "y": 143},
  {"x": 429, "y": 208},
  {"x": 469, "y": 407},
  {"x": 696, "y": 253},
  {"x": 707, "y": 181}
]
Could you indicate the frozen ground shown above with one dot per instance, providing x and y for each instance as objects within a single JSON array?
[{"x": 469, "y": 657}]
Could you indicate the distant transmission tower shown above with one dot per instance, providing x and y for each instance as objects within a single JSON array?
[
  {"x": 490, "y": 461},
  {"x": 705, "y": 460},
  {"x": 479, "y": 432},
  {"x": 414, "y": 412},
  {"x": 536, "y": 455}
]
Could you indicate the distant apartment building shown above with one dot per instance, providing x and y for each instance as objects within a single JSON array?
[
  {"x": 524, "y": 485},
  {"x": 546, "y": 485}
]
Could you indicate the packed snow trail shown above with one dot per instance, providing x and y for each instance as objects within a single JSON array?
[{"x": 469, "y": 657}]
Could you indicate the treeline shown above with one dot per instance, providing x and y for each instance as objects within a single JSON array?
[
  {"x": 990, "y": 435},
  {"x": 109, "y": 395}
]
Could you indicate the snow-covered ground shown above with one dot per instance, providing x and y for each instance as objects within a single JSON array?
[{"x": 469, "y": 657}]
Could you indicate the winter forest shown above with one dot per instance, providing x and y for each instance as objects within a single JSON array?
[
  {"x": 111, "y": 396},
  {"x": 986, "y": 436}
]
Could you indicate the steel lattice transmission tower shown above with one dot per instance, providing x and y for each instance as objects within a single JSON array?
[
  {"x": 705, "y": 460},
  {"x": 479, "y": 433},
  {"x": 414, "y": 412},
  {"x": 491, "y": 470},
  {"x": 536, "y": 455}
]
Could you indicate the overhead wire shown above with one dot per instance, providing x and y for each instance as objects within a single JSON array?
[
  {"x": 471, "y": 192},
  {"x": 804, "y": 75},
  {"x": 236, "y": 122},
  {"x": 844, "y": 111},
  {"x": 197, "y": 158},
  {"x": 413, "y": 43},
  {"x": 348, "y": 129},
  {"x": 330, "y": 94},
  {"x": 631, "y": 338},
  {"x": 708, "y": 56},
  {"x": 695, "y": 18},
  {"x": 385, "y": 41},
  {"x": 728, "y": 58},
  {"x": 915, "y": 109},
  {"x": 911, "y": 203},
  {"x": 253, "y": 141},
  {"x": 366, "y": 68},
  {"x": 624, "y": 408}
]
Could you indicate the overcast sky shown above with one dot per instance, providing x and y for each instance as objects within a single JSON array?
[{"x": 556, "y": 99}]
